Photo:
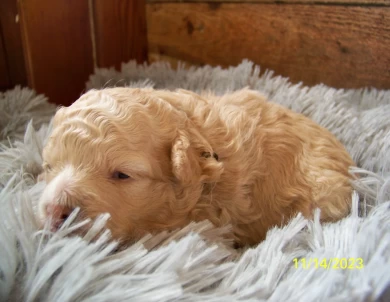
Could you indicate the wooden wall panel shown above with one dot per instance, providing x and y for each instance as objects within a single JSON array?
[
  {"x": 4, "y": 80},
  {"x": 120, "y": 31},
  {"x": 65, "y": 39},
  {"x": 347, "y": 2},
  {"x": 57, "y": 44},
  {"x": 341, "y": 46},
  {"x": 12, "y": 43}
]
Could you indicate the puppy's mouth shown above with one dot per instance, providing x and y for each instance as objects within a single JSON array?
[
  {"x": 60, "y": 217},
  {"x": 78, "y": 224}
]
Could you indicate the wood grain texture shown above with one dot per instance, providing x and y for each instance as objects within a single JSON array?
[
  {"x": 120, "y": 31},
  {"x": 57, "y": 43},
  {"x": 12, "y": 43},
  {"x": 347, "y": 2},
  {"x": 4, "y": 79},
  {"x": 344, "y": 47}
]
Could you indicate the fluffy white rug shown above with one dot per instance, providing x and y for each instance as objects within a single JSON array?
[{"x": 195, "y": 264}]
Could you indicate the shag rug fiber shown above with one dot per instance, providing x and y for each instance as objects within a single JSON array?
[{"x": 195, "y": 263}]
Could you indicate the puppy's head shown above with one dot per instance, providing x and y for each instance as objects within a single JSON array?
[{"x": 129, "y": 153}]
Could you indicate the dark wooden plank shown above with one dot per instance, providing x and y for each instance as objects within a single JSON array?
[
  {"x": 58, "y": 48},
  {"x": 12, "y": 42},
  {"x": 4, "y": 80},
  {"x": 347, "y": 2},
  {"x": 120, "y": 31},
  {"x": 336, "y": 45}
]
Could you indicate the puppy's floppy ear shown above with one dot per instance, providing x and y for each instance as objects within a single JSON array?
[{"x": 188, "y": 161}]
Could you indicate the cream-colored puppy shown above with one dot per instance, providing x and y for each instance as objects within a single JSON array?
[{"x": 156, "y": 160}]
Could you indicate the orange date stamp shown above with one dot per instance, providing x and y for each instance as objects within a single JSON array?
[{"x": 329, "y": 263}]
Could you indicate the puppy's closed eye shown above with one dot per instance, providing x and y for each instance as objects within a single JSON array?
[{"x": 120, "y": 175}]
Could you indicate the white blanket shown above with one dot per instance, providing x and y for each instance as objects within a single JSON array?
[{"x": 304, "y": 261}]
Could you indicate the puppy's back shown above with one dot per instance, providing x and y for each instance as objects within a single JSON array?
[{"x": 290, "y": 163}]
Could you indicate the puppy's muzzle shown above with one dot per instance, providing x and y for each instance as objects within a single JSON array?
[{"x": 57, "y": 214}]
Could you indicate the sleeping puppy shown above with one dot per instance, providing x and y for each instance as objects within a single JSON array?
[{"x": 156, "y": 160}]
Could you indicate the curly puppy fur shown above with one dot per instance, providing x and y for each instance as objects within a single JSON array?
[{"x": 271, "y": 164}]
